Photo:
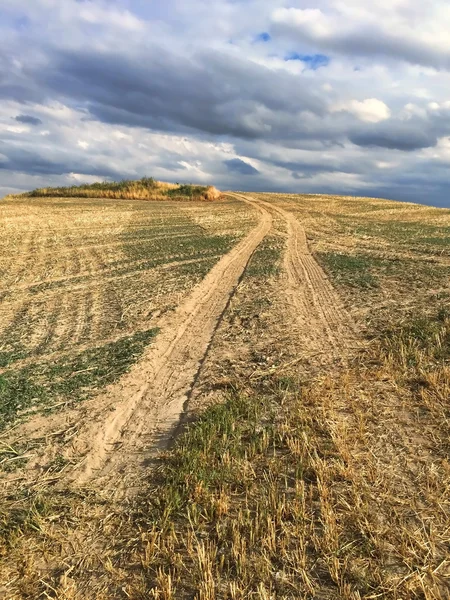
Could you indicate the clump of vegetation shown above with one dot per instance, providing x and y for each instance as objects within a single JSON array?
[
  {"x": 146, "y": 188},
  {"x": 266, "y": 259},
  {"x": 418, "y": 340}
]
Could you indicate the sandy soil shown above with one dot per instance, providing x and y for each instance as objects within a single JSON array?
[{"x": 117, "y": 444}]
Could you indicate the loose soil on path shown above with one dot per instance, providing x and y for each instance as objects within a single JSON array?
[
  {"x": 117, "y": 444},
  {"x": 149, "y": 401}
]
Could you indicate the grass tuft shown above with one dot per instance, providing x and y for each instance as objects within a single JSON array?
[{"x": 419, "y": 340}]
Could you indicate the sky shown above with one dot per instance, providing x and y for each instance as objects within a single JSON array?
[{"x": 327, "y": 96}]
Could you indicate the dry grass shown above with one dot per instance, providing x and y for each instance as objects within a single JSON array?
[
  {"x": 305, "y": 481},
  {"x": 318, "y": 486},
  {"x": 146, "y": 188},
  {"x": 384, "y": 257},
  {"x": 274, "y": 497},
  {"x": 80, "y": 275}
]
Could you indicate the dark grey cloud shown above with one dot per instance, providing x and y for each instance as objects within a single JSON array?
[
  {"x": 236, "y": 165},
  {"x": 209, "y": 93},
  {"x": 312, "y": 168},
  {"x": 360, "y": 39},
  {"x": 29, "y": 162},
  {"x": 35, "y": 163},
  {"x": 28, "y": 120},
  {"x": 395, "y": 136},
  {"x": 18, "y": 82}
]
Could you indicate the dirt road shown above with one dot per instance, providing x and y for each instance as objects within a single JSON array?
[
  {"x": 122, "y": 429},
  {"x": 325, "y": 324},
  {"x": 150, "y": 399}
]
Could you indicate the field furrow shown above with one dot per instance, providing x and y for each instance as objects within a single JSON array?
[{"x": 81, "y": 274}]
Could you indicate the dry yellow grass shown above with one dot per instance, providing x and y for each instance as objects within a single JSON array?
[
  {"x": 146, "y": 188},
  {"x": 81, "y": 274},
  {"x": 315, "y": 485},
  {"x": 308, "y": 477}
]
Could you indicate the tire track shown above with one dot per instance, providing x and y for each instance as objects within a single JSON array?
[
  {"x": 327, "y": 326},
  {"x": 149, "y": 401}
]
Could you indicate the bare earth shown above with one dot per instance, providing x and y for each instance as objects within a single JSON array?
[{"x": 149, "y": 401}]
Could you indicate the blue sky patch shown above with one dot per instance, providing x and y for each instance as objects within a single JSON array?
[
  {"x": 21, "y": 23},
  {"x": 263, "y": 37},
  {"x": 314, "y": 61}
]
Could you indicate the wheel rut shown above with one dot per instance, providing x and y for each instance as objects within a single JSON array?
[
  {"x": 325, "y": 325},
  {"x": 143, "y": 410},
  {"x": 138, "y": 416}
]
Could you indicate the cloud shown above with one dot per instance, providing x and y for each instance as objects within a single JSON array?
[
  {"x": 202, "y": 93},
  {"x": 365, "y": 36},
  {"x": 346, "y": 97},
  {"x": 53, "y": 162},
  {"x": 122, "y": 19},
  {"x": 27, "y": 119},
  {"x": 370, "y": 110},
  {"x": 236, "y": 165},
  {"x": 394, "y": 136}
]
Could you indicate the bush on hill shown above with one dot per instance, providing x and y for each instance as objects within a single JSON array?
[{"x": 146, "y": 188}]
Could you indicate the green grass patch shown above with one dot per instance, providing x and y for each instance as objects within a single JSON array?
[
  {"x": 167, "y": 249},
  {"x": 420, "y": 340},
  {"x": 368, "y": 206},
  {"x": 230, "y": 430},
  {"x": 266, "y": 260},
  {"x": 186, "y": 191},
  {"x": 235, "y": 504},
  {"x": 197, "y": 270},
  {"x": 7, "y": 357},
  {"x": 150, "y": 255},
  {"x": 351, "y": 270},
  {"x": 419, "y": 235},
  {"x": 68, "y": 379}
]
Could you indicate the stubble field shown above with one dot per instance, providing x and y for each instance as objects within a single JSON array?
[
  {"x": 83, "y": 282},
  {"x": 298, "y": 347}
]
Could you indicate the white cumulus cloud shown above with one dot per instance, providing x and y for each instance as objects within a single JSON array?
[{"x": 370, "y": 110}]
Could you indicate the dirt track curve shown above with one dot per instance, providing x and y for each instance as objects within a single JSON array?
[
  {"x": 325, "y": 324},
  {"x": 149, "y": 401},
  {"x": 151, "y": 397}
]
